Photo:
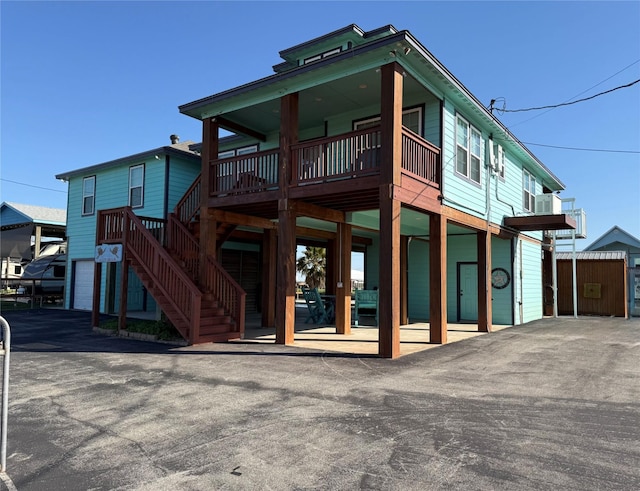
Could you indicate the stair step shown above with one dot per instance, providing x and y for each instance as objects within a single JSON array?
[
  {"x": 215, "y": 329},
  {"x": 218, "y": 338},
  {"x": 212, "y": 321}
]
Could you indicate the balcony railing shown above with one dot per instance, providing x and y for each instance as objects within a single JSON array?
[
  {"x": 347, "y": 156},
  {"x": 248, "y": 173}
]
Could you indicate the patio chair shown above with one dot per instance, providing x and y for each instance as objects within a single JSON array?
[
  {"x": 366, "y": 304},
  {"x": 317, "y": 311}
]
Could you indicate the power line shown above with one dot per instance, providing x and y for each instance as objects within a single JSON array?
[
  {"x": 577, "y": 95},
  {"x": 583, "y": 149},
  {"x": 31, "y": 185},
  {"x": 567, "y": 103}
]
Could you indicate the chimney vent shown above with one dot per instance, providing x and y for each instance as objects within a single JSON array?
[{"x": 174, "y": 139}]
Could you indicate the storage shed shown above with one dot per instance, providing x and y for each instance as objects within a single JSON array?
[{"x": 601, "y": 280}]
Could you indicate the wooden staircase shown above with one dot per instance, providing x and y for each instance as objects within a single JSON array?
[{"x": 203, "y": 309}]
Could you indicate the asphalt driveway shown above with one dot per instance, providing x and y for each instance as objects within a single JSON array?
[{"x": 554, "y": 404}]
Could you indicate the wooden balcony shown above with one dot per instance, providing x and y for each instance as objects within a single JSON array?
[{"x": 336, "y": 160}]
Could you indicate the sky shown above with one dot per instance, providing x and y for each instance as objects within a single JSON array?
[{"x": 83, "y": 83}]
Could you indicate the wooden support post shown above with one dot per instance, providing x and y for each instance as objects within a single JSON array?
[
  {"x": 286, "y": 263},
  {"x": 207, "y": 225},
  {"x": 390, "y": 210},
  {"x": 38, "y": 241},
  {"x": 343, "y": 283},
  {"x": 269, "y": 259},
  {"x": 438, "y": 279},
  {"x": 97, "y": 281},
  {"x": 124, "y": 291},
  {"x": 484, "y": 281},
  {"x": 286, "y": 274}
]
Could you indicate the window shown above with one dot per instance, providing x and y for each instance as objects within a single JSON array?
[
  {"x": 88, "y": 195},
  {"x": 333, "y": 51},
  {"x": 136, "y": 186},
  {"x": 411, "y": 119},
  {"x": 468, "y": 148},
  {"x": 529, "y": 188}
]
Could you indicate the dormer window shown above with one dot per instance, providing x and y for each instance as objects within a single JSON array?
[{"x": 313, "y": 58}]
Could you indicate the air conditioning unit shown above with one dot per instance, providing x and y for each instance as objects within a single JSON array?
[{"x": 548, "y": 204}]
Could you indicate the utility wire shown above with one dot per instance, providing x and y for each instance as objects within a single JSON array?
[
  {"x": 31, "y": 185},
  {"x": 577, "y": 95},
  {"x": 569, "y": 103},
  {"x": 583, "y": 149}
]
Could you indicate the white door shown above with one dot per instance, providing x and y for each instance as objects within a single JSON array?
[{"x": 83, "y": 285}]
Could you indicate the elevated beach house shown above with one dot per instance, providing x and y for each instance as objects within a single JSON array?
[{"x": 360, "y": 141}]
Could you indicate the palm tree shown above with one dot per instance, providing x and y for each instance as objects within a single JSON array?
[{"x": 312, "y": 265}]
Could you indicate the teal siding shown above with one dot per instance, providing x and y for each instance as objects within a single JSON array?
[
  {"x": 502, "y": 304},
  {"x": 182, "y": 174},
  {"x": 11, "y": 217},
  {"x": 460, "y": 248},
  {"x": 459, "y": 192},
  {"x": 528, "y": 282},
  {"x": 418, "y": 281},
  {"x": 112, "y": 191},
  {"x": 372, "y": 265}
]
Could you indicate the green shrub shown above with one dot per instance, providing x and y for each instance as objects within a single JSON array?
[{"x": 162, "y": 329}]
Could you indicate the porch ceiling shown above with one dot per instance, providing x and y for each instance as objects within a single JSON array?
[{"x": 352, "y": 93}]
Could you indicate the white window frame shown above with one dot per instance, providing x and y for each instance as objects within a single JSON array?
[
  {"x": 132, "y": 186},
  {"x": 88, "y": 195},
  {"x": 528, "y": 191},
  {"x": 467, "y": 147},
  {"x": 369, "y": 122},
  {"x": 320, "y": 56}
]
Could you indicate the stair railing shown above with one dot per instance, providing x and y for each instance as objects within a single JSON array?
[
  {"x": 217, "y": 282},
  {"x": 189, "y": 205},
  {"x": 175, "y": 285}
]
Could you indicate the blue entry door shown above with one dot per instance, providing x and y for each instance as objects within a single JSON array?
[{"x": 468, "y": 291}]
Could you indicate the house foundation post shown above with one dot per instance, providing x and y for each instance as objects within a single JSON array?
[
  {"x": 343, "y": 283},
  {"x": 207, "y": 225},
  {"x": 438, "y": 279},
  {"x": 390, "y": 211},
  {"x": 286, "y": 256},
  {"x": 484, "y": 281}
]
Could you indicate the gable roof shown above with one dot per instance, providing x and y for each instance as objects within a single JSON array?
[
  {"x": 181, "y": 149},
  {"x": 613, "y": 235},
  {"x": 23, "y": 214}
]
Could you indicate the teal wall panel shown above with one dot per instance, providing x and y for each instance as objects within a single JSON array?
[{"x": 418, "y": 280}]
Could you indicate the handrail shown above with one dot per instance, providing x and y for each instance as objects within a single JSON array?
[
  {"x": 229, "y": 294},
  {"x": 180, "y": 291},
  {"x": 250, "y": 172},
  {"x": 181, "y": 242},
  {"x": 226, "y": 291},
  {"x": 420, "y": 159},
  {"x": 348, "y": 155},
  {"x": 189, "y": 205}
]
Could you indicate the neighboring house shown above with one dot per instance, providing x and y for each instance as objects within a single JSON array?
[
  {"x": 616, "y": 239},
  {"x": 150, "y": 183},
  {"x": 360, "y": 141},
  {"x": 23, "y": 225}
]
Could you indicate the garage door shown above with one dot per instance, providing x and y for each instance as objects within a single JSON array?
[{"x": 83, "y": 285}]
